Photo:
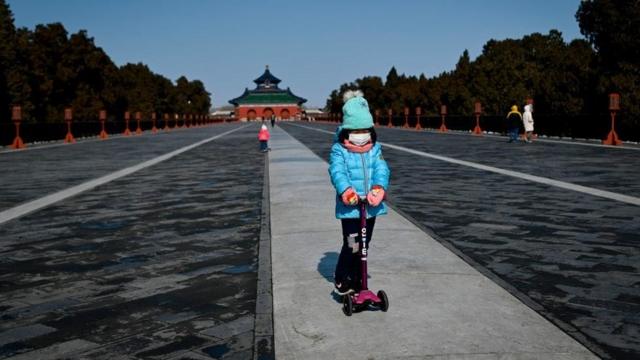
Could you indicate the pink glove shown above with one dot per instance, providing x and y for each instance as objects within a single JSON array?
[
  {"x": 349, "y": 197},
  {"x": 376, "y": 195}
]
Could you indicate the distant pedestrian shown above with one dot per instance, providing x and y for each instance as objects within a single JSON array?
[
  {"x": 263, "y": 137},
  {"x": 514, "y": 119},
  {"x": 527, "y": 119},
  {"x": 358, "y": 171},
  {"x": 273, "y": 120}
]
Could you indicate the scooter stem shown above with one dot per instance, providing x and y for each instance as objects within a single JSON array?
[{"x": 363, "y": 243}]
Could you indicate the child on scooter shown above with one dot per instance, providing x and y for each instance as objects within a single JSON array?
[{"x": 357, "y": 170}]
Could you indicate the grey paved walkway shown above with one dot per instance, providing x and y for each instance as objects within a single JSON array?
[
  {"x": 440, "y": 306},
  {"x": 575, "y": 256}
]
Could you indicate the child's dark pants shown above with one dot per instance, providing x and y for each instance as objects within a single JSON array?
[
  {"x": 348, "y": 267},
  {"x": 263, "y": 145}
]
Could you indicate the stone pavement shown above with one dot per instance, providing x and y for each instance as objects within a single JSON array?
[
  {"x": 441, "y": 307},
  {"x": 169, "y": 262},
  {"x": 159, "y": 264},
  {"x": 572, "y": 257},
  {"x": 41, "y": 169}
]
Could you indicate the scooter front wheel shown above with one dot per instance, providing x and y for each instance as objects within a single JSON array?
[
  {"x": 384, "y": 300},
  {"x": 347, "y": 305}
]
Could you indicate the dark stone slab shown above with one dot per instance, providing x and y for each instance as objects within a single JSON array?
[
  {"x": 143, "y": 265},
  {"x": 24, "y": 333},
  {"x": 38, "y": 172}
]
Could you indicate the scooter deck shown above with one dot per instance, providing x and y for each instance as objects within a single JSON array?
[{"x": 365, "y": 296}]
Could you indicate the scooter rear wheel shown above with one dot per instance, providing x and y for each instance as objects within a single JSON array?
[
  {"x": 384, "y": 300},
  {"x": 347, "y": 305}
]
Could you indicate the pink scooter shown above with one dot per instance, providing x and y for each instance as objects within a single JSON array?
[{"x": 363, "y": 299}]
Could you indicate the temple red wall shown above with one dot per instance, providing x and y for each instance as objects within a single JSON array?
[{"x": 242, "y": 111}]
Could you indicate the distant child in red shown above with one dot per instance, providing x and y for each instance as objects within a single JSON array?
[{"x": 263, "y": 136}]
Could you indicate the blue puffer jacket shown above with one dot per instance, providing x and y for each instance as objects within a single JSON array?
[{"x": 347, "y": 169}]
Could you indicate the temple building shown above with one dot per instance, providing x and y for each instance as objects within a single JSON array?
[{"x": 266, "y": 100}]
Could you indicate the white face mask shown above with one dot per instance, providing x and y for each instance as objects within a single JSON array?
[{"x": 359, "y": 139}]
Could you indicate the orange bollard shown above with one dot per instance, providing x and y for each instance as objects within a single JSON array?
[
  {"x": 127, "y": 117},
  {"x": 478, "y": 110},
  {"x": 614, "y": 106},
  {"x": 390, "y": 113},
  {"x": 154, "y": 129},
  {"x": 103, "y": 117},
  {"x": 166, "y": 122},
  {"x": 406, "y": 118},
  {"x": 16, "y": 116},
  {"x": 68, "y": 116},
  {"x": 477, "y": 130},
  {"x": 418, "y": 112},
  {"x": 138, "y": 118},
  {"x": 443, "y": 114},
  {"x": 612, "y": 137}
]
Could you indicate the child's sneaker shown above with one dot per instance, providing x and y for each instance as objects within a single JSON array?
[{"x": 342, "y": 289}]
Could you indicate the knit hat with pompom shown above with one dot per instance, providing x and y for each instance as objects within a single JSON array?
[{"x": 355, "y": 112}]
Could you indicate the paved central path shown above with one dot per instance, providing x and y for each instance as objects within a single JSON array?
[{"x": 440, "y": 307}]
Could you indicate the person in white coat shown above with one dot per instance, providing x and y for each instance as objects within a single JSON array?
[{"x": 527, "y": 119}]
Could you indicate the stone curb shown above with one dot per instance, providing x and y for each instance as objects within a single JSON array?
[{"x": 263, "y": 347}]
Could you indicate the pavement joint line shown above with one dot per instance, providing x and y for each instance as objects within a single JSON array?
[
  {"x": 630, "y": 146},
  {"x": 539, "y": 179},
  {"x": 89, "y": 139},
  {"x": 35, "y": 205},
  {"x": 545, "y": 139},
  {"x": 552, "y": 141},
  {"x": 263, "y": 337},
  {"x": 59, "y": 143}
]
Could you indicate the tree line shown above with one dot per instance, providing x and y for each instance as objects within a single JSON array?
[
  {"x": 563, "y": 79},
  {"x": 46, "y": 70}
]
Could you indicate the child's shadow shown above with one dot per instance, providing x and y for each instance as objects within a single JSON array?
[{"x": 326, "y": 267}]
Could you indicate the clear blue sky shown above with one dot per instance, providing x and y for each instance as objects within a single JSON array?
[{"x": 312, "y": 46}]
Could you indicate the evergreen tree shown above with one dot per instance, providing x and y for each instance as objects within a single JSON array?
[
  {"x": 613, "y": 28},
  {"x": 46, "y": 70},
  {"x": 7, "y": 59},
  {"x": 557, "y": 75}
]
